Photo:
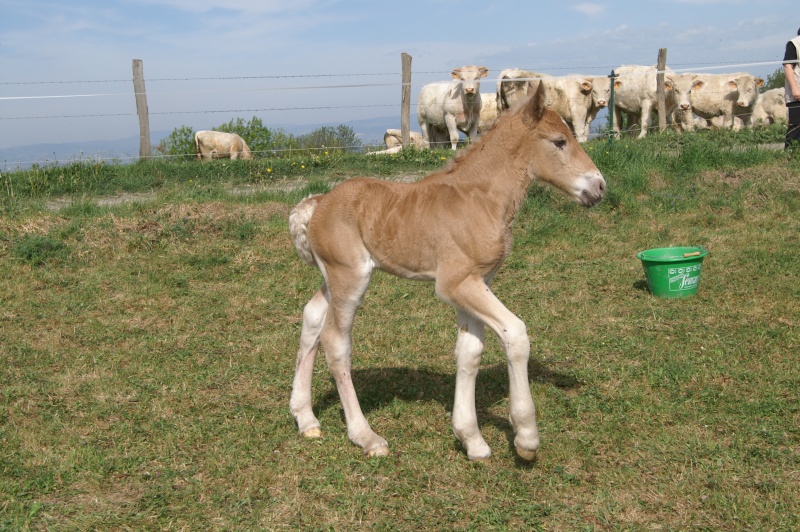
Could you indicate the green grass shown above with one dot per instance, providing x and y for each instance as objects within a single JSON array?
[
  {"x": 148, "y": 351},
  {"x": 189, "y": 177}
]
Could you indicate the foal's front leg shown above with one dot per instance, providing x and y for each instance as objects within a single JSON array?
[
  {"x": 472, "y": 296},
  {"x": 469, "y": 347}
]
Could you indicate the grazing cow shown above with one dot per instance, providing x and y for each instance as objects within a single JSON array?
[
  {"x": 445, "y": 108},
  {"x": 452, "y": 228},
  {"x": 220, "y": 145},
  {"x": 770, "y": 107},
  {"x": 726, "y": 95},
  {"x": 488, "y": 111},
  {"x": 577, "y": 99}
]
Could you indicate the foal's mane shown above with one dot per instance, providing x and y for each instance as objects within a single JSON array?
[{"x": 506, "y": 117}]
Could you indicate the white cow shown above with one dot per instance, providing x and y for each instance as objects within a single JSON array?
[
  {"x": 489, "y": 112},
  {"x": 637, "y": 97},
  {"x": 513, "y": 85},
  {"x": 677, "y": 100},
  {"x": 446, "y": 108},
  {"x": 601, "y": 94},
  {"x": 394, "y": 137},
  {"x": 220, "y": 145},
  {"x": 770, "y": 107},
  {"x": 726, "y": 95},
  {"x": 717, "y": 122},
  {"x": 577, "y": 99}
]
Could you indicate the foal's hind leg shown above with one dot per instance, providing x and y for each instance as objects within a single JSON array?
[
  {"x": 347, "y": 288},
  {"x": 313, "y": 318}
]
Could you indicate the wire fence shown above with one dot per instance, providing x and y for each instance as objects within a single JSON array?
[{"x": 378, "y": 90}]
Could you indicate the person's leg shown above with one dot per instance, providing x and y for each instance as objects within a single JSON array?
[{"x": 793, "y": 125}]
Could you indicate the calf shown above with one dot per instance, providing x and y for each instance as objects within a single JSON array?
[{"x": 488, "y": 111}]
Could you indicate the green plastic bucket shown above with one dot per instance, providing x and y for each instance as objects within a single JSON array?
[{"x": 673, "y": 272}]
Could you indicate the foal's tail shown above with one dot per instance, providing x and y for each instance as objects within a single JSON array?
[{"x": 298, "y": 228}]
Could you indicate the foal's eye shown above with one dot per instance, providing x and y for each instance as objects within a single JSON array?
[{"x": 560, "y": 143}]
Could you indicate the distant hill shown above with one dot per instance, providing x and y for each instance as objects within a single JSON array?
[
  {"x": 122, "y": 150},
  {"x": 125, "y": 150}
]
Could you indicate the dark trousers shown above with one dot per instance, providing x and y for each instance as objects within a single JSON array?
[{"x": 793, "y": 127}]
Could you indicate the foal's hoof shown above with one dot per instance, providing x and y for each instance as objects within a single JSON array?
[
  {"x": 380, "y": 450},
  {"x": 526, "y": 454},
  {"x": 315, "y": 432}
]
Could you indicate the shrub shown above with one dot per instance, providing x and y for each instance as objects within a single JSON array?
[
  {"x": 179, "y": 144},
  {"x": 327, "y": 137},
  {"x": 776, "y": 80},
  {"x": 257, "y": 136}
]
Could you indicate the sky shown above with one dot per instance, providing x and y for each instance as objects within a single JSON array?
[{"x": 66, "y": 67}]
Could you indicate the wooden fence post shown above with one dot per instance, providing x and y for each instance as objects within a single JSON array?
[
  {"x": 141, "y": 109},
  {"x": 661, "y": 90},
  {"x": 405, "y": 102},
  {"x": 610, "y": 108}
]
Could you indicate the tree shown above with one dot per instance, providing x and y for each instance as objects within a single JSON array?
[
  {"x": 341, "y": 137},
  {"x": 776, "y": 80},
  {"x": 257, "y": 136}
]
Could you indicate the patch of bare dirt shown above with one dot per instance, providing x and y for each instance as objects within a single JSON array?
[{"x": 104, "y": 201}]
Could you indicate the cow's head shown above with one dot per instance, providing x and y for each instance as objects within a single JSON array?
[
  {"x": 747, "y": 88},
  {"x": 601, "y": 90},
  {"x": 679, "y": 88},
  {"x": 470, "y": 77}
]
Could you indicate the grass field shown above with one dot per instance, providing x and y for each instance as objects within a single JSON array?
[{"x": 148, "y": 346}]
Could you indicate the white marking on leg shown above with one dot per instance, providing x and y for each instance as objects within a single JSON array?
[
  {"x": 474, "y": 297},
  {"x": 300, "y": 404},
  {"x": 347, "y": 289},
  {"x": 469, "y": 347}
]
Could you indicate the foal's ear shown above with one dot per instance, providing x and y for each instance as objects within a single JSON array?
[{"x": 536, "y": 105}]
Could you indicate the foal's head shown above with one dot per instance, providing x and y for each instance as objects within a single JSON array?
[{"x": 552, "y": 154}]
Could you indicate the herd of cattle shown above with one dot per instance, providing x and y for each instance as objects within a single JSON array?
[{"x": 692, "y": 101}]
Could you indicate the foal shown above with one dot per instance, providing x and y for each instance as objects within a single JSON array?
[{"x": 453, "y": 228}]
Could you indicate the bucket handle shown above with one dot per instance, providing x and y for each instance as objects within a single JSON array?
[{"x": 692, "y": 254}]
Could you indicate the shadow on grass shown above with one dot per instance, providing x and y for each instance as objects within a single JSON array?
[
  {"x": 379, "y": 387},
  {"x": 641, "y": 285}
]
